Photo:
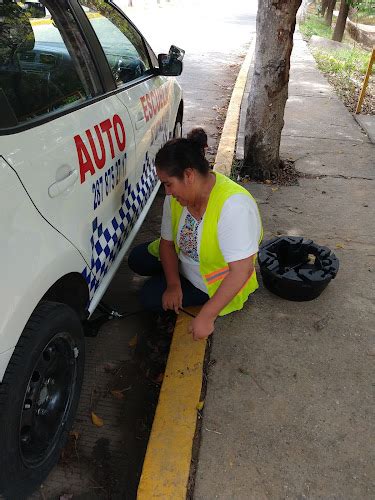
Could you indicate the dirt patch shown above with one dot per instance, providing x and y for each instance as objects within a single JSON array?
[
  {"x": 349, "y": 90},
  {"x": 286, "y": 175},
  {"x": 114, "y": 472}
]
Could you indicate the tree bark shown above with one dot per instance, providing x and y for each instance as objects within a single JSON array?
[
  {"x": 329, "y": 12},
  {"x": 324, "y": 7},
  {"x": 341, "y": 21},
  {"x": 276, "y": 20}
]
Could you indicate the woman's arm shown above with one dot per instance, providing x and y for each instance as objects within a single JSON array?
[
  {"x": 172, "y": 297},
  {"x": 239, "y": 272}
]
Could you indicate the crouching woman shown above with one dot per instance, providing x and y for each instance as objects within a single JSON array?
[{"x": 210, "y": 233}]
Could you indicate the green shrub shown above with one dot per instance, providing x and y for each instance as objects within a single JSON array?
[{"x": 345, "y": 61}]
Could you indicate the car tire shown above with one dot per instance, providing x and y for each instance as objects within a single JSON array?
[
  {"x": 177, "y": 130},
  {"x": 39, "y": 396}
]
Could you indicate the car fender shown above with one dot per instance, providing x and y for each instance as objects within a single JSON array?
[{"x": 34, "y": 257}]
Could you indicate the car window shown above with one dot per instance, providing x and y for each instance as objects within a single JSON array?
[
  {"x": 122, "y": 44},
  {"x": 42, "y": 70},
  {"x": 154, "y": 59}
]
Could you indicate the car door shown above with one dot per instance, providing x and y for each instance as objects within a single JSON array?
[
  {"x": 71, "y": 141},
  {"x": 145, "y": 94}
]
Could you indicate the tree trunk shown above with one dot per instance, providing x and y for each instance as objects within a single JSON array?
[
  {"x": 276, "y": 20},
  {"x": 341, "y": 21},
  {"x": 329, "y": 12},
  {"x": 324, "y": 7}
]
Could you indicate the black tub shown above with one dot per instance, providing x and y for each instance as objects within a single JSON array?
[{"x": 296, "y": 268}]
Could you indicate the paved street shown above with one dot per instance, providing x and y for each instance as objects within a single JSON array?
[
  {"x": 213, "y": 37},
  {"x": 106, "y": 462}
]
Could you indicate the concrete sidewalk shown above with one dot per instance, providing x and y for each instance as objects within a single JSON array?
[{"x": 289, "y": 410}]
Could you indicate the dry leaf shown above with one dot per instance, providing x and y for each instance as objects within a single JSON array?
[
  {"x": 311, "y": 258},
  {"x": 200, "y": 405},
  {"x": 133, "y": 341},
  {"x": 295, "y": 210},
  {"x": 117, "y": 394},
  {"x": 99, "y": 422},
  {"x": 339, "y": 245},
  {"x": 274, "y": 189}
]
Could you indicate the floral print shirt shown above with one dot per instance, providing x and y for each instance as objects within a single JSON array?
[{"x": 188, "y": 241}]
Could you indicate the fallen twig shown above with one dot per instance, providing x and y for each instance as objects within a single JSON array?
[{"x": 211, "y": 430}]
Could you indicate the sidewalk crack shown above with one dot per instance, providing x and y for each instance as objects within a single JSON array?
[
  {"x": 343, "y": 139},
  {"x": 337, "y": 176}
]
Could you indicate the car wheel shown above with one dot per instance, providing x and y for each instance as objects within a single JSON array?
[
  {"x": 177, "y": 131},
  {"x": 39, "y": 397}
]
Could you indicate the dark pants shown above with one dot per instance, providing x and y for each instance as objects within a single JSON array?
[{"x": 142, "y": 262}]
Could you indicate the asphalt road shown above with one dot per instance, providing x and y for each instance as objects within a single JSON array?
[
  {"x": 106, "y": 462},
  {"x": 214, "y": 35}
]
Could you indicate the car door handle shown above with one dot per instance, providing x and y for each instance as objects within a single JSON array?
[
  {"x": 140, "y": 120},
  {"x": 60, "y": 186}
]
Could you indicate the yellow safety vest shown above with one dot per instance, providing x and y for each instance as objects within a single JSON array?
[{"x": 213, "y": 267}]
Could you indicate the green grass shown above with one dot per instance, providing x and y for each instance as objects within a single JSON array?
[
  {"x": 347, "y": 62},
  {"x": 344, "y": 67},
  {"x": 314, "y": 25}
]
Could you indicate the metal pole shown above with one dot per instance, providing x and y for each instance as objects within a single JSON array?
[{"x": 365, "y": 82}]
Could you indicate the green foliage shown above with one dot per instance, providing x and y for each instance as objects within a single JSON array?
[
  {"x": 347, "y": 62},
  {"x": 365, "y": 7},
  {"x": 314, "y": 25},
  {"x": 364, "y": 12}
]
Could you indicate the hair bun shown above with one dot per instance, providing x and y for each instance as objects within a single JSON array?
[{"x": 198, "y": 136}]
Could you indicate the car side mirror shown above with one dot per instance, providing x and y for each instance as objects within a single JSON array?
[{"x": 171, "y": 64}]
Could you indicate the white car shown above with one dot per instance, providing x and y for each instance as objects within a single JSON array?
[{"x": 84, "y": 107}]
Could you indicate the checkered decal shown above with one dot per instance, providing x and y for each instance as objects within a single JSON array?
[{"x": 106, "y": 242}]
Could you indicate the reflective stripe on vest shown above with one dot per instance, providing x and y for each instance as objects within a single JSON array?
[{"x": 219, "y": 274}]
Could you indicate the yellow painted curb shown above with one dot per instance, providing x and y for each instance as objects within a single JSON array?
[
  {"x": 167, "y": 464},
  {"x": 40, "y": 22},
  {"x": 225, "y": 152}
]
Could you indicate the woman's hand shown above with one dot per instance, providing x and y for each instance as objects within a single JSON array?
[
  {"x": 172, "y": 298},
  {"x": 202, "y": 326}
]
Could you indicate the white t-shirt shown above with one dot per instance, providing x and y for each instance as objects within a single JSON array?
[{"x": 239, "y": 230}]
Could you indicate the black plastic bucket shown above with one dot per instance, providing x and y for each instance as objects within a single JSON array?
[{"x": 296, "y": 268}]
